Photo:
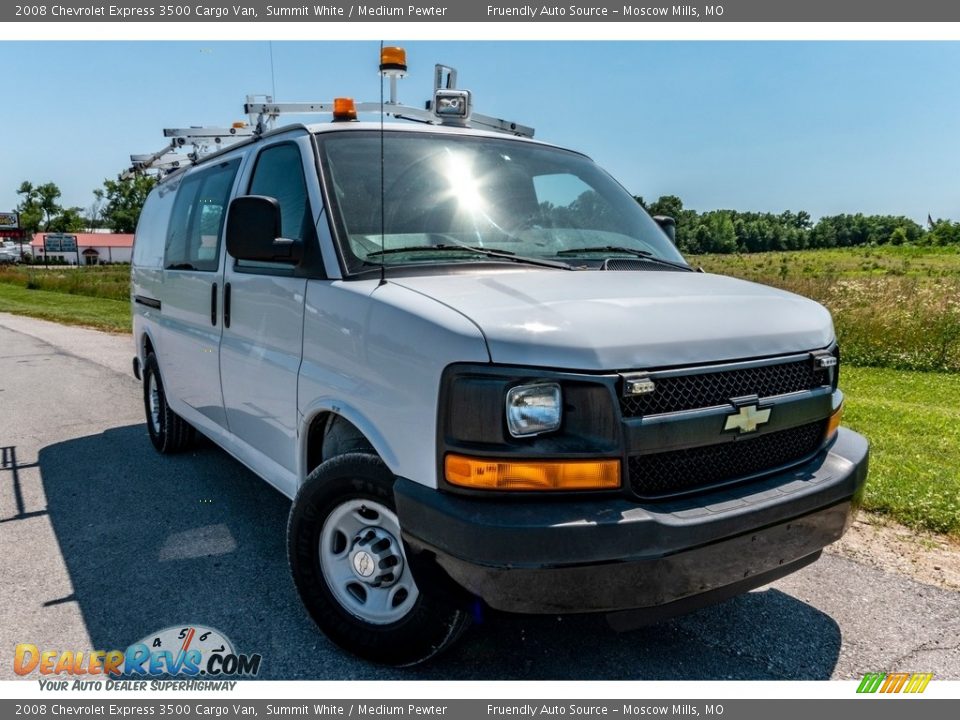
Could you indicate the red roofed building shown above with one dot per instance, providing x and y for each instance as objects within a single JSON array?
[{"x": 83, "y": 248}]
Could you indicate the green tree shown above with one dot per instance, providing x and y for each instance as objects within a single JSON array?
[
  {"x": 39, "y": 206},
  {"x": 123, "y": 200},
  {"x": 669, "y": 205},
  {"x": 944, "y": 232},
  {"x": 68, "y": 220}
]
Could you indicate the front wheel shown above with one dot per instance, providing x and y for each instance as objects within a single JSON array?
[{"x": 350, "y": 568}]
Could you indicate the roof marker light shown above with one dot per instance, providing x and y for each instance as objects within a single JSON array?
[{"x": 344, "y": 109}]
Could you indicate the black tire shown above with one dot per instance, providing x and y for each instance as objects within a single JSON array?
[
  {"x": 169, "y": 432},
  {"x": 437, "y": 616}
]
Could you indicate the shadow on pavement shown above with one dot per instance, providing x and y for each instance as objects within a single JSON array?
[{"x": 153, "y": 541}]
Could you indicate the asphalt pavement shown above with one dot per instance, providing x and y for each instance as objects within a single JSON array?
[{"x": 104, "y": 541}]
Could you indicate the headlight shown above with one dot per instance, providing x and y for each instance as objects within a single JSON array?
[{"x": 533, "y": 409}]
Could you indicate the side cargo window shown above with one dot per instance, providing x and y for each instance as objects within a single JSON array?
[{"x": 193, "y": 240}]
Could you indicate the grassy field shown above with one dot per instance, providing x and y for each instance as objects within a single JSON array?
[
  {"x": 913, "y": 422},
  {"x": 100, "y": 313},
  {"x": 96, "y": 297},
  {"x": 102, "y": 281},
  {"x": 895, "y": 307},
  {"x": 897, "y": 312}
]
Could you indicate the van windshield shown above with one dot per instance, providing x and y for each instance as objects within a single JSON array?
[{"x": 446, "y": 198}]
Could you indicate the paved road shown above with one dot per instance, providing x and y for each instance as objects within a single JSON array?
[{"x": 104, "y": 541}]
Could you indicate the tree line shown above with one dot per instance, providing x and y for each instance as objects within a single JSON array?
[
  {"x": 730, "y": 231},
  {"x": 116, "y": 206}
]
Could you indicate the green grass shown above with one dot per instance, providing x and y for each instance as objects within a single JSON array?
[
  {"x": 100, "y": 313},
  {"x": 896, "y": 307},
  {"x": 103, "y": 281},
  {"x": 900, "y": 261},
  {"x": 913, "y": 422}
]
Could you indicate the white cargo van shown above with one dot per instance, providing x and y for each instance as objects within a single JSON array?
[{"x": 480, "y": 370}]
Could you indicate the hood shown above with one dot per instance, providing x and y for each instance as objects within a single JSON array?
[{"x": 593, "y": 320}]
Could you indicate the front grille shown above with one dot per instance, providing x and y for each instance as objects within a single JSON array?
[
  {"x": 680, "y": 471},
  {"x": 686, "y": 392}
]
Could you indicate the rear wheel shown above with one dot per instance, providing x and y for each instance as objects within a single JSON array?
[
  {"x": 350, "y": 567},
  {"x": 169, "y": 432}
]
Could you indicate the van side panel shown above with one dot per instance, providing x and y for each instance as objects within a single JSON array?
[
  {"x": 374, "y": 354},
  {"x": 146, "y": 273},
  {"x": 189, "y": 345}
]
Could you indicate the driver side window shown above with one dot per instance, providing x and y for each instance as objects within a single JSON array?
[{"x": 279, "y": 174}]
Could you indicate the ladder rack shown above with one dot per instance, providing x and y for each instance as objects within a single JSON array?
[
  {"x": 449, "y": 106},
  {"x": 201, "y": 141}
]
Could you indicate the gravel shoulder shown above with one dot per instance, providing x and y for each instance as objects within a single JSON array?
[{"x": 922, "y": 556}]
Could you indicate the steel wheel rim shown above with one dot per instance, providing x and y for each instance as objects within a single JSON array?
[
  {"x": 375, "y": 594},
  {"x": 153, "y": 401}
]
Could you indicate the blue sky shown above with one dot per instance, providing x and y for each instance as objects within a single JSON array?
[{"x": 826, "y": 127}]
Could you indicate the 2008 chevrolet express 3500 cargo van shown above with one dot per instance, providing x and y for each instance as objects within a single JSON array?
[{"x": 502, "y": 382}]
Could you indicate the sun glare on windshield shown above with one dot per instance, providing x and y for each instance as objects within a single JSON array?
[{"x": 457, "y": 169}]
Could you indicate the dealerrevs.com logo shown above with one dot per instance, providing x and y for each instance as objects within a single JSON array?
[{"x": 186, "y": 651}]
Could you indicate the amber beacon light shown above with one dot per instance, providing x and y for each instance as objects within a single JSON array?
[
  {"x": 393, "y": 58},
  {"x": 494, "y": 474},
  {"x": 344, "y": 109}
]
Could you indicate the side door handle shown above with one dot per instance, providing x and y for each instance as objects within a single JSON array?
[
  {"x": 226, "y": 305},
  {"x": 213, "y": 305}
]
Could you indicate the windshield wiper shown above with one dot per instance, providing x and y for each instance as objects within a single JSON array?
[
  {"x": 645, "y": 254},
  {"x": 502, "y": 254}
]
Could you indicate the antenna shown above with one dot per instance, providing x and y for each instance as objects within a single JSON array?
[
  {"x": 383, "y": 208},
  {"x": 273, "y": 78}
]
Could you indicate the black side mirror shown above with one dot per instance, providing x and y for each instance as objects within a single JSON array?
[
  {"x": 668, "y": 225},
  {"x": 253, "y": 231}
]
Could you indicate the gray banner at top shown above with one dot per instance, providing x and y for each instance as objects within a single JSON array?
[
  {"x": 482, "y": 11},
  {"x": 229, "y": 708}
]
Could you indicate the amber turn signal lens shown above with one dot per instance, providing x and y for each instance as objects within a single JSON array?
[
  {"x": 393, "y": 58},
  {"x": 492, "y": 474},
  {"x": 834, "y": 422}
]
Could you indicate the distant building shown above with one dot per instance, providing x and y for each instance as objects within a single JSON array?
[{"x": 83, "y": 248}]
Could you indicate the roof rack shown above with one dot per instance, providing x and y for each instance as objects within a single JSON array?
[
  {"x": 198, "y": 142},
  {"x": 450, "y": 106}
]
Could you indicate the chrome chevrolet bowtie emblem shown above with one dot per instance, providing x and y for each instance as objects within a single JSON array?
[
  {"x": 747, "y": 419},
  {"x": 363, "y": 564}
]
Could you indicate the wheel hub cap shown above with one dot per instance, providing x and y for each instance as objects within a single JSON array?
[
  {"x": 362, "y": 560},
  {"x": 376, "y": 558}
]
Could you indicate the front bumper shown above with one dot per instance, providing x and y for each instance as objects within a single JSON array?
[{"x": 560, "y": 556}]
